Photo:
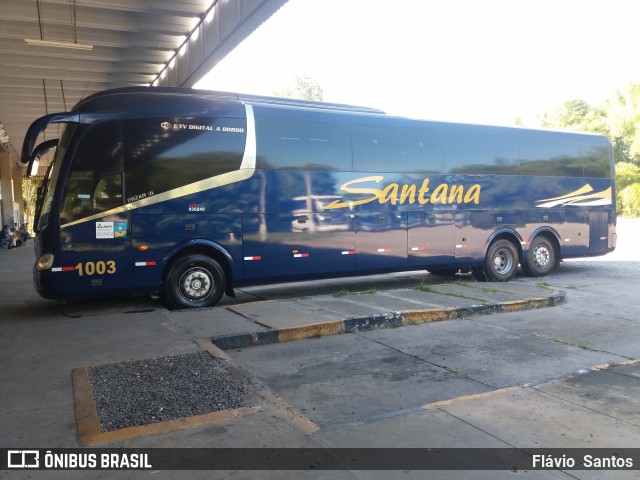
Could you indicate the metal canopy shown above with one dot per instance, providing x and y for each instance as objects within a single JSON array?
[{"x": 133, "y": 42}]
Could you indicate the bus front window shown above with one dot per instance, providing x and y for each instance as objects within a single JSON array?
[
  {"x": 95, "y": 180},
  {"x": 51, "y": 179}
]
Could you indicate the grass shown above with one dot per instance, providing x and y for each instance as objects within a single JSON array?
[
  {"x": 564, "y": 341},
  {"x": 559, "y": 339},
  {"x": 544, "y": 285},
  {"x": 464, "y": 283},
  {"x": 343, "y": 292},
  {"x": 425, "y": 287}
]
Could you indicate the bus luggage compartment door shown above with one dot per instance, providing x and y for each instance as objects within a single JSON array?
[
  {"x": 431, "y": 238},
  {"x": 281, "y": 246},
  {"x": 381, "y": 240}
]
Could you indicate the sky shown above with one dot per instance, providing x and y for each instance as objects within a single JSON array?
[{"x": 483, "y": 61}]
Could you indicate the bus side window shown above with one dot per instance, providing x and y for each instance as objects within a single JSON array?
[
  {"x": 163, "y": 154},
  {"x": 384, "y": 148},
  {"x": 481, "y": 150},
  {"x": 286, "y": 144},
  {"x": 550, "y": 154},
  {"x": 597, "y": 158}
]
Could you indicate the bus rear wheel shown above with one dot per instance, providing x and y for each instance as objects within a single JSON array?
[
  {"x": 194, "y": 281},
  {"x": 542, "y": 257},
  {"x": 501, "y": 263}
]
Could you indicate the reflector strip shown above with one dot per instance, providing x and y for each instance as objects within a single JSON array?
[
  {"x": 300, "y": 255},
  {"x": 567, "y": 239},
  {"x": 56, "y": 269},
  {"x": 416, "y": 249},
  {"x": 603, "y": 238},
  {"x": 384, "y": 250},
  {"x": 252, "y": 258},
  {"x": 63, "y": 269},
  {"x": 349, "y": 252},
  {"x": 458, "y": 246},
  {"x": 145, "y": 264}
]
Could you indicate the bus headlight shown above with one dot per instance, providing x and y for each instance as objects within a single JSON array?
[{"x": 45, "y": 261}]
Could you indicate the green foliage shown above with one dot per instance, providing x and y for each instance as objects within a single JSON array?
[
  {"x": 577, "y": 115},
  {"x": 301, "y": 87},
  {"x": 624, "y": 122},
  {"x": 29, "y": 193},
  {"x": 626, "y": 174},
  {"x": 630, "y": 201}
]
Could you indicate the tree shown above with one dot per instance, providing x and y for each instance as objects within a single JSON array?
[
  {"x": 628, "y": 185},
  {"x": 301, "y": 87},
  {"x": 29, "y": 194},
  {"x": 630, "y": 201},
  {"x": 577, "y": 115},
  {"x": 623, "y": 110}
]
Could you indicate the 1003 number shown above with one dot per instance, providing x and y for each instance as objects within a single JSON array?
[{"x": 96, "y": 268}]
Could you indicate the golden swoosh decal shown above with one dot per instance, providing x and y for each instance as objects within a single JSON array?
[
  {"x": 580, "y": 191},
  {"x": 578, "y": 199}
]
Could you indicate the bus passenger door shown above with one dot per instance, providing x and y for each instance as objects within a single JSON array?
[
  {"x": 95, "y": 233},
  {"x": 431, "y": 239}
]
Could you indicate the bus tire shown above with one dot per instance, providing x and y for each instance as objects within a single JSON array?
[
  {"x": 542, "y": 257},
  {"x": 194, "y": 281},
  {"x": 501, "y": 262}
]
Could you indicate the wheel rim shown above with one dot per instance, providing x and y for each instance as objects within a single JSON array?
[
  {"x": 541, "y": 256},
  {"x": 503, "y": 261},
  {"x": 196, "y": 284}
]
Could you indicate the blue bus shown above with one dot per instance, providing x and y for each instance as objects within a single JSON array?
[{"x": 188, "y": 194}]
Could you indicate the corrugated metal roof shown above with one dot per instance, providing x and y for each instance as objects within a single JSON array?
[{"x": 132, "y": 43}]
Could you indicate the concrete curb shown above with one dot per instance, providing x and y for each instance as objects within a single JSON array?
[{"x": 386, "y": 320}]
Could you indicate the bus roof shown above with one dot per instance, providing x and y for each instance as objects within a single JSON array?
[{"x": 216, "y": 95}]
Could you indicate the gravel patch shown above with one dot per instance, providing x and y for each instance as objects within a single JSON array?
[{"x": 160, "y": 389}]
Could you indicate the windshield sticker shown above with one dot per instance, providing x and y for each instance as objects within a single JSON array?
[
  {"x": 111, "y": 230},
  {"x": 104, "y": 230},
  {"x": 120, "y": 230}
]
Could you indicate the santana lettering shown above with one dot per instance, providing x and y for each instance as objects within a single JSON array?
[{"x": 395, "y": 193}]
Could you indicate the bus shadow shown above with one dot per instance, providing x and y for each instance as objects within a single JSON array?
[
  {"x": 331, "y": 286},
  {"x": 113, "y": 306}
]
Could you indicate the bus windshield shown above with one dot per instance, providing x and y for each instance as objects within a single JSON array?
[{"x": 48, "y": 187}]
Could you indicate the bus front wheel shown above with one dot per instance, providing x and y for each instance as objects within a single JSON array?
[
  {"x": 194, "y": 281},
  {"x": 501, "y": 263}
]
